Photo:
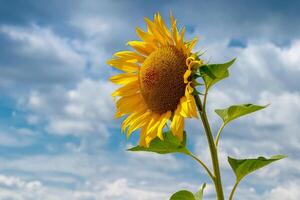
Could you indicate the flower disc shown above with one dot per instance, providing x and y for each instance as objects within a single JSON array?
[{"x": 161, "y": 79}]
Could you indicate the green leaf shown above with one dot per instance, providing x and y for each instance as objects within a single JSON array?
[
  {"x": 183, "y": 195},
  {"x": 213, "y": 73},
  {"x": 243, "y": 167},
  {"x": 170, "y": 144},
  {"x": 236, "y": 111},
  {"x": 199, "y": 194}
]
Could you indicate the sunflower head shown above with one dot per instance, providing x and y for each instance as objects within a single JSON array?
[{"x": 157, "y": 86}]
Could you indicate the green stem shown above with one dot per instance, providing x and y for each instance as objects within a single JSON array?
[
  {"x": 204, "y": 166},
  {"x": 205, "y": 98},
  {"x": 233, "y": 190},
  {"x": 219, "y": 134},
  {"x": 212, "y": 148}
]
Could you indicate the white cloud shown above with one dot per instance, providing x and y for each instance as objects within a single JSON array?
[
  {"x": 284, "y": 109},
  {"x": 11, "y": 181},
  {"x": 16, "y": 188},
  {"x": 39, "y": 57},
  {"x": 16, "y": 137},
  {"x": 43, "y": 42},
  {"x": 290, "y": 55},
  {"x": 85, "y": 109},
  {"x": 120, "y": 189},
  {"x": 92, "y": 26},
  {"x": 97, "y": 177},
  {"x": 287, "y": 191}
]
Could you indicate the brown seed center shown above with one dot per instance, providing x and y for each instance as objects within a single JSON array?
[{"x": 161, "y": 79}]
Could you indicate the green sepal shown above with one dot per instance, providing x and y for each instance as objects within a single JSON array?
[
  {"x": 169, "y": 144},
  {"x": 196, "y": 92},
  {"x": 199, "y": 54},
  {"x": 195, "y": 84},
  {"x": 194, "y": 76}
]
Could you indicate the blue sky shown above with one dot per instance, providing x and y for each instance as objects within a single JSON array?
[{"x": 58, "y": 139}]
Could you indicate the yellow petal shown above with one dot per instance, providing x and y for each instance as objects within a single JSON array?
[
  {"x": 172, "y": 19},
  {"x": 192, "y": 44},
  {"x": 123, "y": 65},
  {"x": 124, "y": 78},
  {"x": 155, "y": 31},
  {"x": 148, "y": 140},
  {"x": 127, "y": 90},
  {"x": 138, "y": 122},
  {"x": 192, "y": 108},
  {"x": 142, "y": 47},
  {"x": 146, "y": 37},
  {"x": 153, "y": 124},
  {"x": 152, "y": 128},
  {"x": 131, "y": 117},
  {"x": 188, "y": 89},
  {"x": 163, "y": 26},
  {"x": 187, "y": 106},
  {"x": 162, "y": 30},
  {"x": 143, "y": 135},
  {"x": 118, "y": 114},
  {"x": 130, "y": 56},
  {"x": 181, "y": 42},
  {"x": 127, "y": 121},
  {"x": 129, "y": 104},
  {"x": 182, "y": 34},
  {"x": 187, "y": 75},
  {"x": 175, "y": 34},
  {"x": 163, "y": 120},
  {"x": 184, "y": 111},
  {"x": 189, "y": 62},
  {"x": 177, "y": 125}
]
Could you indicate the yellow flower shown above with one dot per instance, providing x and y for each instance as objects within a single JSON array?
[{"x": 157, "y": 86}]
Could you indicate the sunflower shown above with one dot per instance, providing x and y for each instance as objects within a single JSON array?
[{"x": 157, "y": 81}]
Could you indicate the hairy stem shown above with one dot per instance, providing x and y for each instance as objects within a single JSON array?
[{"x": 212, "y": 148}]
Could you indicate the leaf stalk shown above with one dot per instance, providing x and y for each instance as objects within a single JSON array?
[
  {"x": 233, "y": 190},
  {"x": 219, "y": 134}
]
